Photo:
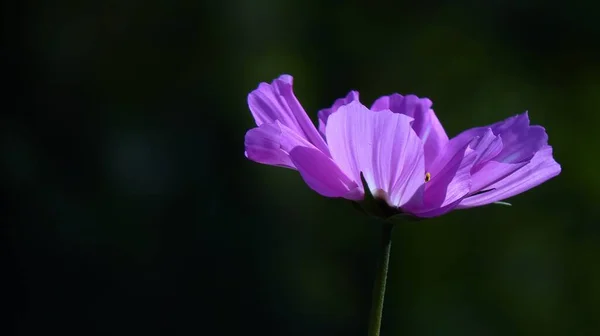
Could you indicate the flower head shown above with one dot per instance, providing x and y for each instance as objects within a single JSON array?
[{"x": 398, "y": 150}]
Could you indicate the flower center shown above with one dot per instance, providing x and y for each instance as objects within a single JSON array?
[{"x": 427, "y": 177}]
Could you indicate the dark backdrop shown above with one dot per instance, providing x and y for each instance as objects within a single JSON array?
[{"x": 129, "y": 208}]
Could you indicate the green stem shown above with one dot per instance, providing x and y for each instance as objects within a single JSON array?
[{"x": 380, "y": 280}]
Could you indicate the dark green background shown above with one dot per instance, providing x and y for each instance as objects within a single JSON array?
[{"x": 130, "y": 209}]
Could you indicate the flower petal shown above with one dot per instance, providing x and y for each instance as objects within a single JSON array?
[
  {"x": 382, "y": 146},
  {"x": 322, "y": 174},
  {"x": 426, "y": 124},
  {"x": 271, "y": 143},
  {"x": 325, "y": 113},
  {"x": 409, "y": 105},
  {"x": 450, "y": 181},
  {"x": 491, "y": 172},
  {"x": 277, "y": 102},
  {"x": 503, "y": 147},
  {"x": 487, "y": 146},
  {"x": 541, "y": 168},
  {"x": 520, "y": 141},
  {"x": 434, "y": 138},
  {"x": 485, "y": 171}
]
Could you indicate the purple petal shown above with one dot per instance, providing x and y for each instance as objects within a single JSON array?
[
  {"x": 382, "y": 146},
  {"x": 322, "y": 174},
  {"x": 434, "y": 139},
  {"x": 409, "y": 105},
  {"x": 485, "y": 171},
  {"x": 520, "y": 141},
  {"x": 277, "y": 102},
  {"x": 503, "y": 148},
  {"x": 487, "y": 146},
  {"x": 491, "y": 172},
  {"x": 325, "y": 113},
  {"x": 541, "y": 168},
  {"x": 450, "y": 180},
  {"x": 271, "y": 143},
  {"x": 426, "y": 124}
]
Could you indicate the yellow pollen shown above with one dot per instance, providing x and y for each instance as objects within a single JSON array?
[{"x": 427, "y": 177}]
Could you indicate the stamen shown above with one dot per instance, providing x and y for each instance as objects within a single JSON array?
[{"x": 427, "y": 177}]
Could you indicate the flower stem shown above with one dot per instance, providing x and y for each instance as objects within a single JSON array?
[{"x": 380, "y": 280}]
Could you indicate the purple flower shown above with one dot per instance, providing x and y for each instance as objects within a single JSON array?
[{"x": 400, "y": 149}]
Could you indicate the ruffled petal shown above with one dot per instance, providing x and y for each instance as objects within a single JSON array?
[
  {"x": 277, "y": 102},
  {"x": 382, "y": 146},
  {"x": 426, "y": 124},
  {"x": 541, "y": 168},
  {"x": 271, "y": 144},
  {"x": 487, "y": 146},
  {"x": 450, "y": 180},
  {"x": 325, "y": 113},
  {"x": 322, "y": 174},
  {"x": 434, "y": 139},
  {"x": 410, "y": 105},
  {"x": 503, "y": 148},
  {"x": 520, "y": 140},
  {"x": 485, "y": 171}
]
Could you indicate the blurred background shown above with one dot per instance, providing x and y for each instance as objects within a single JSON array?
[{"x": 130, "y": 209}]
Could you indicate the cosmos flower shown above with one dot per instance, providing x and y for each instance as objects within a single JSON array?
[{"x": 396, "y": 151}]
